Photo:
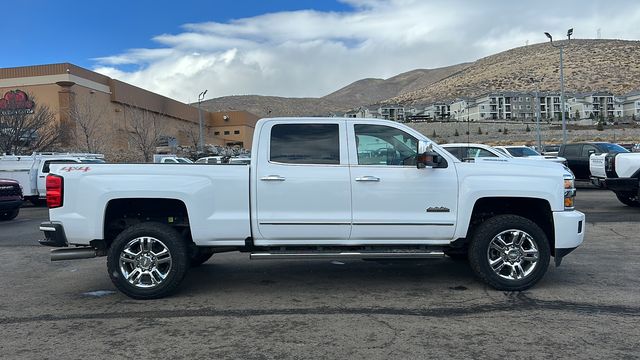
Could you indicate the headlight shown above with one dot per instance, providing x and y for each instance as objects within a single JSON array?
[{"x": 569, "y": 192}]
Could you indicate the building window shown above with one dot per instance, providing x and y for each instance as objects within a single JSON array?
[
  {"x": 528, "y": 107},
  {"x": 216, "y": 133},
  {"x": 236, "y": 132},
  {"x": 528, "y": 99},
  {"x": 226, "y": 133}
]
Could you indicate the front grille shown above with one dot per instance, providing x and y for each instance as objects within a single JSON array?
[{"x": 10, "y": 190}]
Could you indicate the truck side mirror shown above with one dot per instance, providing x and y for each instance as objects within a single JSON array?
[{"x": 428, "y": 158}]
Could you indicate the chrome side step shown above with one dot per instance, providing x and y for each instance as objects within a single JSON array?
[{"x": 290, "y": 255}]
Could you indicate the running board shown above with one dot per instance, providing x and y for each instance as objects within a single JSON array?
[{"x": 289, "y": 255}]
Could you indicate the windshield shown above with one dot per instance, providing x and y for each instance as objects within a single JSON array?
[
  {"x": 522, "y": 152},
  {"x": 614, "y": 148},
  {"x": 183, "y": 161}
]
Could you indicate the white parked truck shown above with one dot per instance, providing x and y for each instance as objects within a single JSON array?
[
  {"x": 31, "y": 170},
  {"x": 620, "y": 173},
  {"x": 316, "y": 188}
]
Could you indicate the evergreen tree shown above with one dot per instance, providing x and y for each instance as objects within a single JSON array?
[
  {"x": 527, "y": 129},
  {"x": 456, "y": 133},
  {"x": 480, "y": 130}
]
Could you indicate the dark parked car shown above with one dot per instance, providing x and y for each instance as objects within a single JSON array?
[
  {"x": 10, "y": 199},
  {"x": 577, "y": 155}
]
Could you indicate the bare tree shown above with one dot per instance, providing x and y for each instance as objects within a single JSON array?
[
  {"x": 89, "y": 132},
  {"x": 145, "y": 130},
  {"x": 26, "y": 127},
  {"x": 192, "y": 134}
]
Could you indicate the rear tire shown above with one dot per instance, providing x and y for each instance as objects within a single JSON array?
[
  {"x": 628, "y": 199},
  {"x": 6, "y": 215},
  {"x": 148, "y": 260},
  {"x": 509, "y": 253}
]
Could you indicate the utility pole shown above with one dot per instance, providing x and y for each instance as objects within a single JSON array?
[
  {"x": 537, "y": 94},
  {"x": 561, "y": 47},
  {"x": 201, "y": 131}
]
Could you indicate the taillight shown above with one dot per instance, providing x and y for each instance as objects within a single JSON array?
[{"x": 54, "y": 191}]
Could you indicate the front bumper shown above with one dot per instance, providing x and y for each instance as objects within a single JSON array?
[
  {"x": 569, "y": 232},
  {"x": 623, "y": 184},
  {"x": 54, "y": 235}
]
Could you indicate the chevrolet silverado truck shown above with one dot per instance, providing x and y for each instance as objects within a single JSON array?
[
  {"x": 316, "y": 188},
  {"x": 620, "y": 173}
]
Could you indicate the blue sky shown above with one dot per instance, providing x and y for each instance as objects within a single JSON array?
[
  {"x": 76, "y": 31},
  {"x": 295, "y": 48}
]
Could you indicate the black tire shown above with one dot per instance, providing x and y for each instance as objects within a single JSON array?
[
  {"x": 481, "y": 252},
  {"x": 628, "y": 199},
  {"x": 161, "y": 237},
  {"x": 200, "y": 255},
  {"x": 6, "y": 215}
]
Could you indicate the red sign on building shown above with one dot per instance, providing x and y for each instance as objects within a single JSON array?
[{"x": 16, "y": 102}]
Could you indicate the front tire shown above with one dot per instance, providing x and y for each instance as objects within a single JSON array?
[
  {"x": 148, "y": 261},
  {"x": 509, "y": 253},
  {"x": 628, "y": 199}
]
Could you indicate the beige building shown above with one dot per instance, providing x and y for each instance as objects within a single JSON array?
[{"x": 77, "y": 96}]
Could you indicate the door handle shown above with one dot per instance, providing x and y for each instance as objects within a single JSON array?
[
  {"x": 367, "y": 178},
  {"x": 272, "y": 178}
]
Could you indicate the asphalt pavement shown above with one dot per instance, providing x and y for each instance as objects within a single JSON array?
[{"x": 232, "y": 307}]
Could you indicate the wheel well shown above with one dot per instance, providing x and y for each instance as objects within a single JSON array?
[
  {"x": 123, "y": 213},
  {"x": 536, "y": 210}
]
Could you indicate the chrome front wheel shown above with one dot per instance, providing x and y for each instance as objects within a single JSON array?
[
  {"x": 509, "y": 252},
  {"x": 513, "y": 254}
]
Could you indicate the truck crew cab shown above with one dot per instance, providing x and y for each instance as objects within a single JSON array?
[{"x": 316, "y": 188}]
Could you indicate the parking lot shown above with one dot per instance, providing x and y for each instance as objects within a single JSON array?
[{"x": 232, "y": 307}]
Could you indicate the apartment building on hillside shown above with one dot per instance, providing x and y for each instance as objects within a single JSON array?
[{"x": 595, "y": 105}]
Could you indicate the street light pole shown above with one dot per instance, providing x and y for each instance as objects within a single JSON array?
[
  {"x": 538, "y": 115},
  {"x": 200, "y": 132},
  {"x": 561, "y": 47}
]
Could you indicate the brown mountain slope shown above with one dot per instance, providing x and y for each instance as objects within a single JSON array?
[
  {"x": 359, "y": 93},
  {"x": 370, "y": 91},
  {"x": 589, "y": 65}
]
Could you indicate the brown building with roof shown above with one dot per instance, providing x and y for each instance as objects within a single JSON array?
[{"x": 76, "y": 95}]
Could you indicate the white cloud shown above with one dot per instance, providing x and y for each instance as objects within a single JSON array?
[{"x": 312, "y": 53}]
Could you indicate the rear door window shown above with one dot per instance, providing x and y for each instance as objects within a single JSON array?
[{"x": 305, "y": 144}]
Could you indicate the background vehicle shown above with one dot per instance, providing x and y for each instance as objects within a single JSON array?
[
  {"x": 10, "y": 199},
  {"x": 467, "y": 151},
  {"x": 310, "y": 194},
  {"x": 527, "y": 152},
  {"x": 31, "y": 170},
  {"x": 240, "y": 160},
  {"x": 211, "y": 160},
  {"x": 620, "y": 173},
  {"x": 171, "y": 159},
  {"x": 577, "y": 155}
]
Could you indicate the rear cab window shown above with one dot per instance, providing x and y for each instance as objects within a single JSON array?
[{"x": 305, "y": 144}]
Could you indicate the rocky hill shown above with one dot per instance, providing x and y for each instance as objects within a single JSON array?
[
  {"x": 589, "y": 65},
  {"x": 360, "y": 93}
]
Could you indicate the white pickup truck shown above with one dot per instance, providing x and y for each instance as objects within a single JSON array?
[
  {"x": 620, "y": 173},
  {"x": 31, "y": 170},
  {"x": 316, "y": 189}
]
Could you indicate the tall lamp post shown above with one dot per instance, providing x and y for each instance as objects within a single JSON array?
[
  {"x": 538, "y": 113},
  {"x": 561, "y": 47},
  {"x": 201, "y": 132}
]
